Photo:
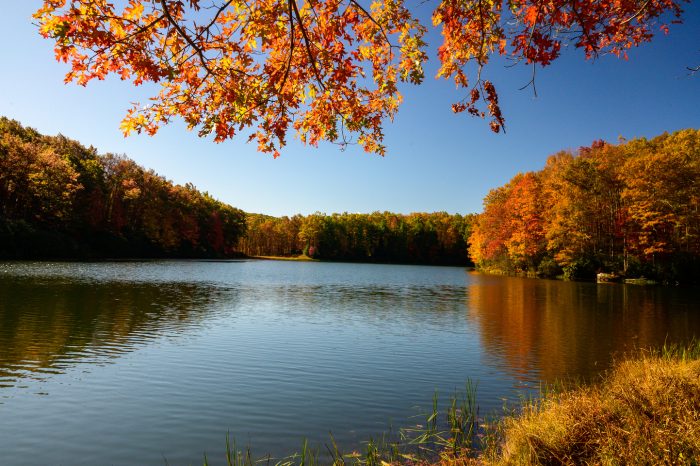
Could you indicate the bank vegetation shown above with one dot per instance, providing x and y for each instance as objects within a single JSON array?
[
  {"x": 60, "y": 199},
  {"x": 630, "y": 209}
]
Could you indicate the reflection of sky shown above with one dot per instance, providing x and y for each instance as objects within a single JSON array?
[
  {"x": 437, "y": 160},
  {"x": 271, "y": 359},
  {"x": 167, "y": 356}
]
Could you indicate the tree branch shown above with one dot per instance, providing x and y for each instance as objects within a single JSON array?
[
  {"x": 307, "y": 44},
  {"x": 213, "y": 21},
  {"x": 292, "y": 40},
  {"x": 371, "y": 18},
  {"x": 636, "y": 15},
  {"x": 186, "y": 37}
]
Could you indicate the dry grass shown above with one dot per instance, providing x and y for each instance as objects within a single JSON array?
[{"x": 645, "y": 411}]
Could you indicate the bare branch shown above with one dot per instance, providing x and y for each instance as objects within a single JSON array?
[{"x": 214, "y": 19}]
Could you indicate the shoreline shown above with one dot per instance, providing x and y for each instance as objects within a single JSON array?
[
  {"x": 620, "y": 279},
  {"x": 644, "y": 410}
]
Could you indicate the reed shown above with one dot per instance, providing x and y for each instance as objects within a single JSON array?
[
  {"x": 445, "y": 434},
  {"x": 646, "y": 410}
]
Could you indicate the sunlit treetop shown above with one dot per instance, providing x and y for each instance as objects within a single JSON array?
[{"x": 328, "y": 69}]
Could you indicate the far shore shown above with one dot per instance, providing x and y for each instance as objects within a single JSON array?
[{"x": 300, "y": 258}]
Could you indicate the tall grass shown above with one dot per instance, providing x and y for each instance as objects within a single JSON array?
[
  {"x": 444, "y": 435},
  {"x": 646, "y": 410}
]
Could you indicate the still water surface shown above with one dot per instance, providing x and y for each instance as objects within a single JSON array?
[{"x": 143, "y": 362}]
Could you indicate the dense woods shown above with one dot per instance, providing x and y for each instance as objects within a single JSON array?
[
  {"x": 61, "y": 199},
  {"x": 631, "y": 208},
  {"x": 418, "y": 238}
]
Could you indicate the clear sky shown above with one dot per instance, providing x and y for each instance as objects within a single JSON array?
[{"x": 436, "y": 161}]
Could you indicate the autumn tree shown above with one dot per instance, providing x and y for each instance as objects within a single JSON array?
[
  {"x": 326, "y": 69},
  {"x": 492, "y": 230},
  {"x": 663, "y": 193},
  {"x": 61, "y": 199},
  {"x": 631, "y": 208},
  {"x": 586, "y": 216},
  {"x": 526, "y": 243}
]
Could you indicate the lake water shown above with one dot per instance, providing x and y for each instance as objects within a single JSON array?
[{"x": 147, "y": 362}]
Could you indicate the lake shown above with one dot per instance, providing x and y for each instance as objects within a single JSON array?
[{"x": 154, "y": 362}]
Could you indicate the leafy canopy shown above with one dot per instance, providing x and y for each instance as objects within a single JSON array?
[{"x": 329, "y": 69}]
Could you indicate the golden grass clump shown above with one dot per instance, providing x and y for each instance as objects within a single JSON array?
[{"x": 644, "y": 411}]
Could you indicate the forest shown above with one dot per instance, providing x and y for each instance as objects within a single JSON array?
[
  {"x": 417, "y": 238},
  {"x": 631, "y": 209},
  {"x": 59, "y": 199}
]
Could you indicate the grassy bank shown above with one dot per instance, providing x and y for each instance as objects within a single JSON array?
[{"x": 646, "y": 410}]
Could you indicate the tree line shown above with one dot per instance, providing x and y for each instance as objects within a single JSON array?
[
  {"x": 417, "y": 238},
  {"x": 632, "y": 208},
  {"x": 61, "y": 199}
]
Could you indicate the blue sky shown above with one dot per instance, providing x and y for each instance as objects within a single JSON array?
[{"x": 436, "y": 161}]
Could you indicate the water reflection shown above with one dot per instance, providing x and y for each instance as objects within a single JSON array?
[
  {"x": 552, "y": 330},
  {"x": 179, "y": 353},
  {"x": 48, "y": 325},
  {"x": 167, "y": 357}
]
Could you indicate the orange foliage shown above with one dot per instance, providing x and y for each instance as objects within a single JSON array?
[
  {"x": 664, "y": 195},
  {"x": 52, "y": 185},
  {"x": 605, "y": 206},
  {"x": 526, "y": 241},
  {"x": 327, "y": 69}
]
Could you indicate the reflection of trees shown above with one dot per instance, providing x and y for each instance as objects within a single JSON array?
[
  {"x": 563, "y": 329},
  {"x": 47, "y": 325}
]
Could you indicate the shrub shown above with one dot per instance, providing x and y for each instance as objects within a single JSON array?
[{"x": 548, "y": 268}]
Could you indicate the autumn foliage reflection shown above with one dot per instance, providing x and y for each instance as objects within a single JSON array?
[
  {"x": 48, "y": 325},
  {"x": 556, "y": 329}
]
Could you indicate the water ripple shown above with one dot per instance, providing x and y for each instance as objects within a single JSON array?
[{"x": 165, "y": 357}]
